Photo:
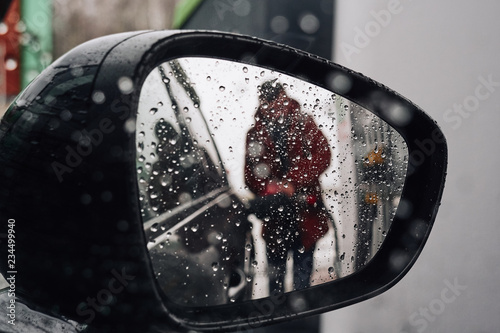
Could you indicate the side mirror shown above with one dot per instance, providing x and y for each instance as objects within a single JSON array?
[{"x": 205, "y": 181}]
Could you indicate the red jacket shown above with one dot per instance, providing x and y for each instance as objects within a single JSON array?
[{"x": 308, "y": 157}]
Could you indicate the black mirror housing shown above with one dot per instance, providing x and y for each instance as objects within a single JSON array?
[{"x": 68, "y": 175}]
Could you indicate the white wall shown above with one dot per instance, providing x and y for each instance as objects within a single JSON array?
[{"x": 438, "y": 54}]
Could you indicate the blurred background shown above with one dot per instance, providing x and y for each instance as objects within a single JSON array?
[
  {"x": 36, "y": 32},
  {"x": 444, "y": 56}
]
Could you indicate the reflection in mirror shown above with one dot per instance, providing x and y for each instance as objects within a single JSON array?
[{"x": 253, "y": 182}]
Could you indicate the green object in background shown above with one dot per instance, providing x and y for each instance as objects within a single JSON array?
[
  {"x": 183, "y": 11},
  {"x": 36, "y": 42}
]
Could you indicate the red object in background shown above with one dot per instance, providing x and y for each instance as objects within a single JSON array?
[{"x": 10, "y": 55}]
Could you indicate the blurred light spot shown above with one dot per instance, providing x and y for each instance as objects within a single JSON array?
[
  {"x": 255, "y": 149},
  {"x": 76, "y": 71},
  {"x": 309, "y": 23},
  {"x": 32, "y": 74},
  {"x": 21, "y": 26},
  {"x": 298, "y": 304},
  {"x": 398, "y": 260},
  {"x": 98, "y": 97},
  {"x": 3, "y": 28},
  {"x": 125, "y": 85},
  {"x": 184, "y": 197},
  {"x": 225, "y": 202},
  {"x": 130, "y": 126},
  {"x": 242, "y": 7},
  {"x": 279, "y": 24},
  {"x": 339, "y": 83},
  {"x": 398, "y": 114},
  {"x": 10, "y": 64},
  {"x": 262, "y": 170},
  {"x": 405, "y": 209},
  {"x": 86, "y": 199},
  {"x": 65, "y": 115}
]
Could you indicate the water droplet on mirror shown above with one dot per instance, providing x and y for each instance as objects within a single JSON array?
[
  {"x": 153, "y": 111},
  {"x": 154, "y": 227},
  {"x": 222, "y": 88},
  {"x": 215, "y": 266}
]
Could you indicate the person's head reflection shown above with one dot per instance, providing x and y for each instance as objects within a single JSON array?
[{"x": 274, "y": 103}]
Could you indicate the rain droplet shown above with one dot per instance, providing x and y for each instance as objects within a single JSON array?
[
  {"x": 98, "y": 97},
  {"x": 125, "y": 85}
]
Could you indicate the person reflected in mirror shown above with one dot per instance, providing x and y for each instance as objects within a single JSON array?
[
  {"x": 166, "y": 180},
  {"x": 286, "y": 153}
]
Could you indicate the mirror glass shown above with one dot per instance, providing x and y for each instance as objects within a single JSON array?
[{"x": 254, "y": 182}]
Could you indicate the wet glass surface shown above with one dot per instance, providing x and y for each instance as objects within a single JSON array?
[{"x": 254, "y": 182}]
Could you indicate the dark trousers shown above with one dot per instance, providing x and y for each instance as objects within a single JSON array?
[{"x": 302, "y": 269}]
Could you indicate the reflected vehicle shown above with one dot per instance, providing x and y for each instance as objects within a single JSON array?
[
  {"x": 205, "y": 235},
  {"x": 198, "y": 233},
  {"x": 141, "y": 156}
]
